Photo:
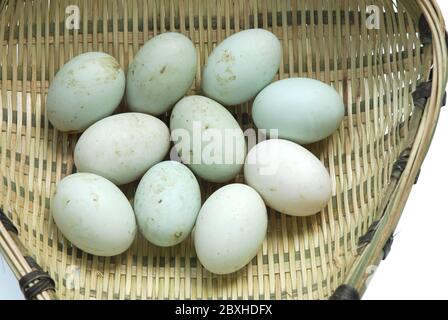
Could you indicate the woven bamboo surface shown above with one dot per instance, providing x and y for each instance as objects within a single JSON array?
[{"x": 375, "y": 71}]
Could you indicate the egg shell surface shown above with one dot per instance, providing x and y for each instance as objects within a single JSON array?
[
  {"x": 208, "y": 138},
  {"x": 241, "y": 66},
  {"x": 230, "y": 229},
  {"x": 86, "y": 89},
  {"x": 93, "y": 214},
  {"x": 167, "y": 202},
  {"x": 302, "y": 110},
  {"x": 161, "y": 73},
  {"x": 290, "y": 179},
  {"x": 122, "y": 147}
]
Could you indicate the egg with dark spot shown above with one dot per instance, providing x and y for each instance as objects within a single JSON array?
[
  {"x": 86, "y": 89},
  {"x": 208, "y": 139},
  {"x": 166, "y": 203},
  {"x": 161, "y": 73},
  {"x": 241, "y": 66}
]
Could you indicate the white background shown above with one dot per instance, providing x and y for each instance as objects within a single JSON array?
[{"x": 417, "y": 267}]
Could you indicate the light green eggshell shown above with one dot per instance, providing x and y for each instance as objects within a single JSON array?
[
  {"x": 86, "y": 89},
  {"x": 241, "y": 66},
  {"x": 230, "y": 228},
  {"x": 93, "y": 214},
  {"x": 302, "y": 110},
  {"x": 161, "y": 73},
  {"x": 167, "y": 203},
  {"x": 122, "y": 147},
  {"x": 208, "y": 117}
]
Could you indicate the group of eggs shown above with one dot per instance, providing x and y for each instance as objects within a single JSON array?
[{"x": 229, "y": 228}]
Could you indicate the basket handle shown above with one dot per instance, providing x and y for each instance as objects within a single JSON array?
[{"x": 34, "y": 282}]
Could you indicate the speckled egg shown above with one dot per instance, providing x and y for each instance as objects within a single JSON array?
[
  {"x": 208, "y": 139},
  {"x": 290, "y": 179},
  {"x": 93, "y": 214},
  {"x": 122, "y": 147},
  {"x": 161, "y": 73},
  {"x": 167, "y": 203},
  {"x": 86, "y": 89},
  {"x": 302, "y": 110},
  {"x": 241, "y": 66},
  {"x": 230, "y": 229}
]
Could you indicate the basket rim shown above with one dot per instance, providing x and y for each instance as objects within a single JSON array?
[{"x": 413, "y": 157}]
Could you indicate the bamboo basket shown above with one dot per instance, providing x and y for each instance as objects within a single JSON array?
[{"x": 392, "y": 80}]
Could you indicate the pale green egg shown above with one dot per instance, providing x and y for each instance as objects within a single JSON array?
[
  {"x": 301, "y": 110},
  {"x": 161, "y": 73},
  {"x": 208, "y": 139},
  {"x": 167, "y": 203},
  {"x": 122, "y": 147},
  {"x": 230, "y": 228},
  {"x": 86, "y": 89},
  {"x": 242, "y": 65},
  {"x": 93, "y": 214}
]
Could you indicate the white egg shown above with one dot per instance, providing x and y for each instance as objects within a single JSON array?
[
  {"x": 86, "y": 89},
  {"x": 290, "y": 179},
  {"x": 167, "y": 203},
  {"x": 208, "y": 138},
  {"x": 302, "y": 110},
  {"x": 241, "y": 66},
  {"x": 230, "y": 228},
  {"x": 122, "y": 147},
  {"x": 93, "y": 214},
  {"x": 161, "y": 73}
]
